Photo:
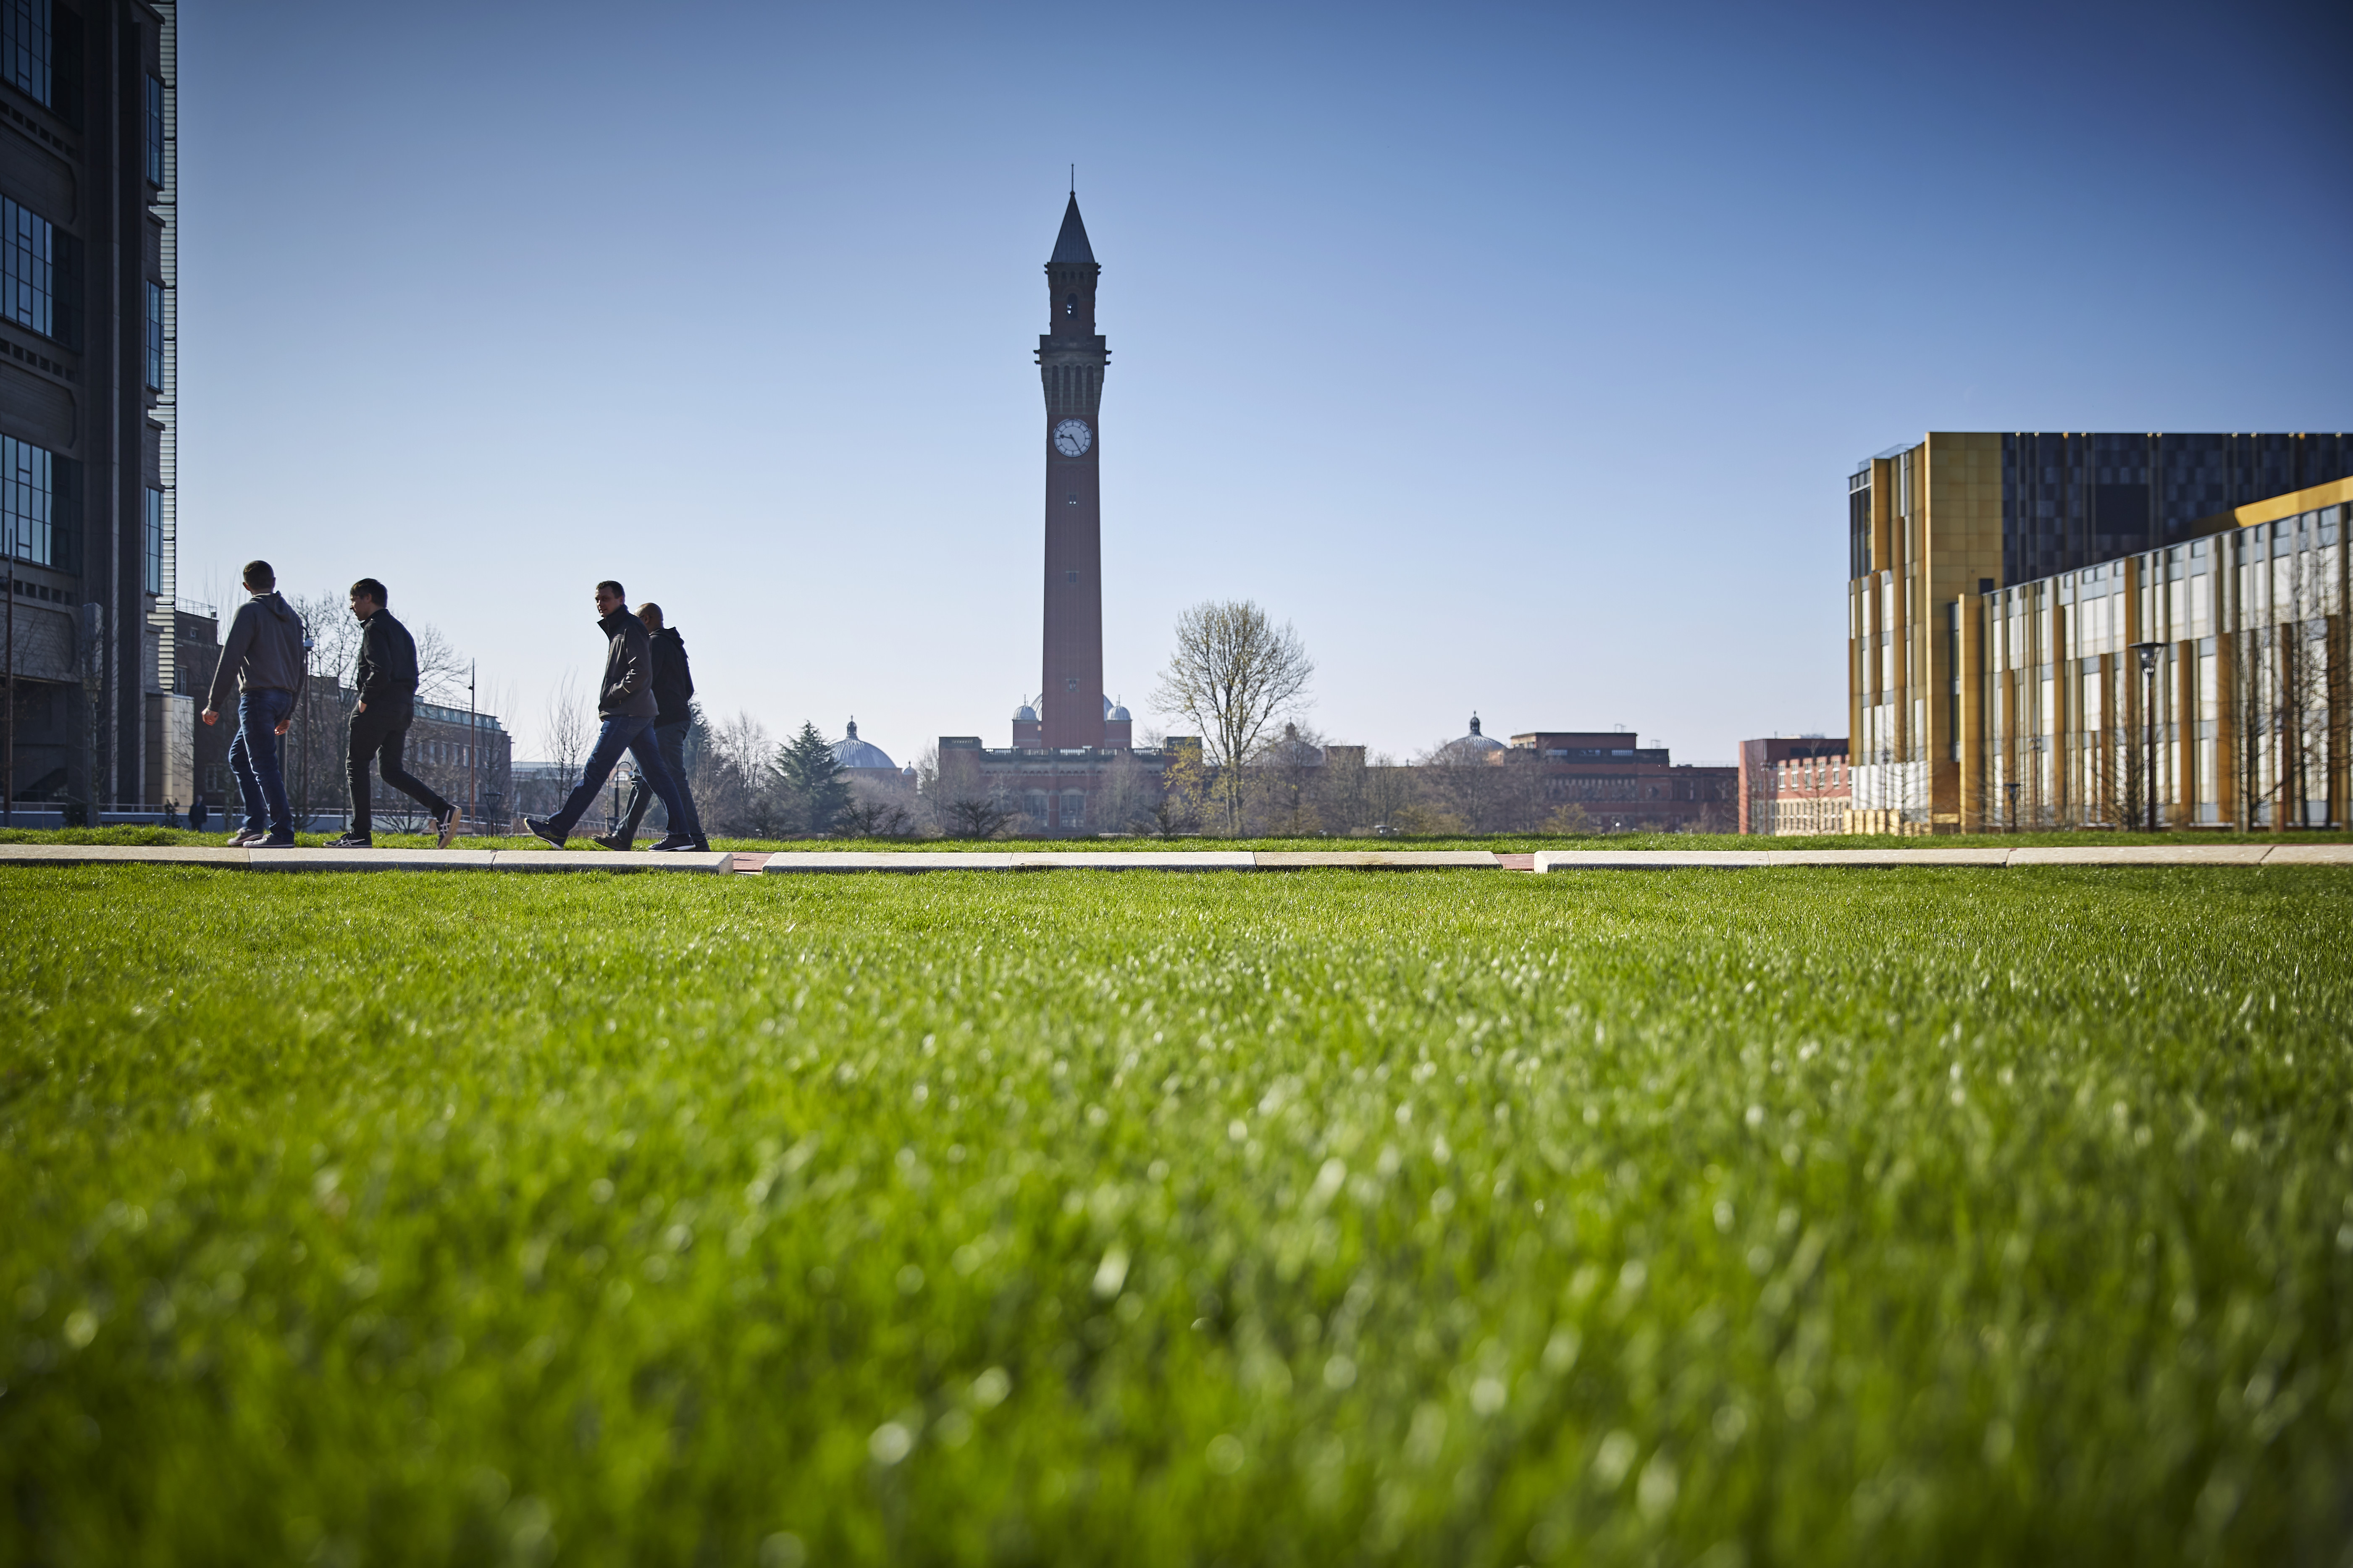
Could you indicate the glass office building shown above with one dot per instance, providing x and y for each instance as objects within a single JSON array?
[
  {"x": 2199, "y": 684},
  {"x": 1936, "y": 527}
]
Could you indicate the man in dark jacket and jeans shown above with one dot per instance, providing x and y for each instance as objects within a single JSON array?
[
  {"x": 380, "y": 718},
  {"x": 673, "y": 688},
  {"x": 264, "y": 653},
  {"x": 625, "y": 701}
]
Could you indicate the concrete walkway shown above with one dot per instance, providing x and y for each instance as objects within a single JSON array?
[{"x": 819, "y": 862}]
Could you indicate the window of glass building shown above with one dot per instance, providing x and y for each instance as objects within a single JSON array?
[
  {"x": 25, "y": 50},
  {"x": 26, "y": 502},
  {"x": 27, "y": 242},
  {"x": 154, "y": 533},
  {"x": 155, "y": 335},
  {"x": 154, "y": 131}
]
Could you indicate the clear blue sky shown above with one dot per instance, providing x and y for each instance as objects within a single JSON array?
[{"x": 1517, "y": 355}]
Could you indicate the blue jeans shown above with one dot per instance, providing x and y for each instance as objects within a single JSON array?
[
  {"x": 635, "y": 736},
  {"x": 670, "y": 741},
  {"x": 253, "y": 757}
]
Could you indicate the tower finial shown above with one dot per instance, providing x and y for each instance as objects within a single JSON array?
[{"x": 1075, "y": 179}]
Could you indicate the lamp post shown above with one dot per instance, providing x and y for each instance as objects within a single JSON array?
[
  {"x": 2009, "y": 788},
  {"x": 2149, "y": 652}
]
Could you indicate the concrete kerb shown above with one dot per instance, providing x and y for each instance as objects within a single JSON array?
[
  {"x": 717, "y": 860},
  {"x": 115, "y": 854},
  {"x": 1888, "y": 857},
  {"x": 2146, "y": 855},
  {"x": 1376, "y": 860},
  {"x": 906, "y": 862},
  {"x": 1648, "y": 860},
  {"x": 2310, "y": 855},
  {"x": 369, "y": 859}
]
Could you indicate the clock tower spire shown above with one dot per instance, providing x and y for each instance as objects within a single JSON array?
[{"x": 1070, "y": 360}]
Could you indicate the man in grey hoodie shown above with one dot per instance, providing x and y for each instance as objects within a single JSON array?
[{"x": 264, "y": 653}]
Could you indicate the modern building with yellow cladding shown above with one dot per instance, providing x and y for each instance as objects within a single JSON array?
[{"x": 1938, "y": 528}]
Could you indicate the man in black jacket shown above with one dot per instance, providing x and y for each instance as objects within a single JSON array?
[
  {"x": 386, "y": 681},
  {"x": 673, "y": 688},
  {"x": 624, "y": 702},
  {"x": 267, "y": 654}
]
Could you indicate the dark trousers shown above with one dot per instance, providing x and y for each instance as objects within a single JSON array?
[
  {"x": 635, "y": 736},
  {"x": 253, "y": 757},
  {"x": 670, "y": 741},
  {"x": 380, "y": 732}
]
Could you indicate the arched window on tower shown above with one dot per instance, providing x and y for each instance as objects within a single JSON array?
[{"x": 1070, "y": 305}]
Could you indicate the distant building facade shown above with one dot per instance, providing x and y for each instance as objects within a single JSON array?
[
  {"x": 1935, "y": 527},
  {"x": 1794, "y": 785},
  {"x": 88, "y": 394},
  {"x": 1622, "y": 786}
]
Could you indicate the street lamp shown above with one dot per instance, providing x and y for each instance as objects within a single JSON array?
[
  {"x": 2149, "y": 652},
  {"x": 2010, "y": 788}
]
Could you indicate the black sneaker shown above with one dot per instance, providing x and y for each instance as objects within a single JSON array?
[
  {"x": 614, "y": 842},
  {"x": 674, "y": 843},
  {"x": 542, "y": 828},
  {"x": 275, "y": 841},
  {"x": 446, "y": 826},
  {"x": 354, "y": 841}
]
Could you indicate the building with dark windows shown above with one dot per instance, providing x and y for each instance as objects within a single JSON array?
[
  {"x": 1935, "y": 527},
  {"x": 99, "y": 716}
]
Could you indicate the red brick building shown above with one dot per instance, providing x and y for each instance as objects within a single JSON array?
[
  {"x": 1623, "y": 786},
  {"x": 1795, "y": 785}
]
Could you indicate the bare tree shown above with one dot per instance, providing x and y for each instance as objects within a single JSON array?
[
  {"x": 1233, "y": 672},
  {"x": 1468, "y": 781},
  {"x": 735, "y": 792},
  {"x": 441, "y": 669},
  {"x": 1290, "y": 779},
  {"x": 1125, "y": 796},
  {"x": 1389, "y": 789},
  {"x": 566, "y": 727},
  {"x": 977, "y": 817}
]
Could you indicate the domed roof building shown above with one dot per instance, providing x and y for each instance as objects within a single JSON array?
[
  {"x": 1474, "y": 746},
  {"x": 854, "y": 755}
]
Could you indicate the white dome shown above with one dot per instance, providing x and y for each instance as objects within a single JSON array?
[
  {"x": 850, "y": 752},
  {"x": 1475, "y": 742}
]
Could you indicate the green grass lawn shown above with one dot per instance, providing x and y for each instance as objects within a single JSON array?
[
  {"x": 1800, "y": 1218},
  {"x": 1503, "y": 842}
]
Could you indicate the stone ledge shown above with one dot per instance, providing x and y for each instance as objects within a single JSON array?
[
  {"x": 370, "y": 859},
  {"x": 1648, "y": 860},
  {"x": 2310, "y": 855},
  {"x": 633, "y": 860},
  {"x": 115, "y": 853},
  {"x": 2146, "y": 855},
  {"x": 1375, "y": 860}
]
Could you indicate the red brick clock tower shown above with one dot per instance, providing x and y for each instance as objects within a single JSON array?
[{"x": 1070, "y": 360}]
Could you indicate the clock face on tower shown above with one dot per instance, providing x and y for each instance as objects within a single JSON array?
[{"x": 1072, "y": 438}]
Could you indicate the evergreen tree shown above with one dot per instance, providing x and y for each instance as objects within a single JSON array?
[{"x": 812, "y": 780}]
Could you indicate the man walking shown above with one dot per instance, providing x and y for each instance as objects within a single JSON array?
[
  {"x": 624, "y": 702},
  {"x": 381, "y": 718},
  {"x": 673, "y": 686},
  {"x": 266, "y": 656}
]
